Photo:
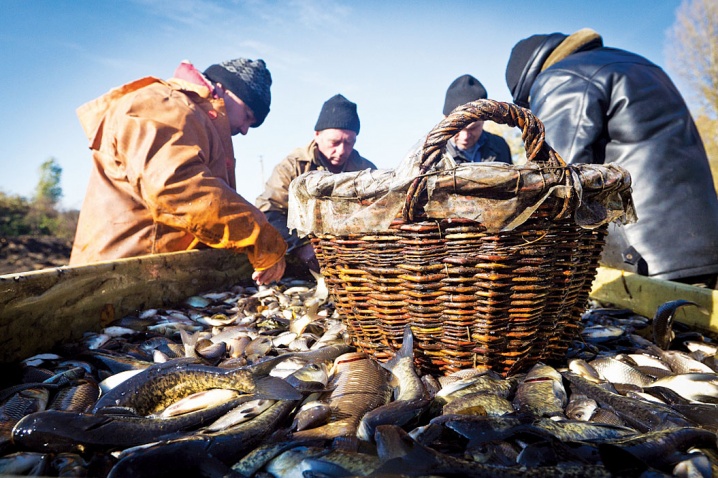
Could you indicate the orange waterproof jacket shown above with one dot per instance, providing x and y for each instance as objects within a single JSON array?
[{"x": 163, "y": 177}]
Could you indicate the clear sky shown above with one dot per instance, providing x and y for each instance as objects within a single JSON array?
[{"x": 395, "y": 59}]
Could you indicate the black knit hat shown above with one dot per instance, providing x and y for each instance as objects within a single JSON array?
[
  {"x": 338, "y": 113},
  {"x": 463, "y": 90},
  {"x": 249, "y": 80},
  {"x": 525, "y": 62}
]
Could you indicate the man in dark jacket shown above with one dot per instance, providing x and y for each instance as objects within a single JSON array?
[
  {"x": 472, "y": 144},
  {"x": 332, "y": 149},
  {"x": 603, "y": 105}
]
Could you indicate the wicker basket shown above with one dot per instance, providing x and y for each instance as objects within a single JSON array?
[{"x": 474, "y": 298}]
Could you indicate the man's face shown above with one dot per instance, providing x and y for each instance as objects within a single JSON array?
[
  {"x": 467, "y": 137},
  {"x": 240, "y": 116},
  {"x": 336, "y": 145}
]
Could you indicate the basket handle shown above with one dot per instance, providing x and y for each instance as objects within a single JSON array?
[{"x": 532, "y": 134}]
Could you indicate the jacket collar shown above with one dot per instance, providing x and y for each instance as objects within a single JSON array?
[{"x": 584, "y": 39}]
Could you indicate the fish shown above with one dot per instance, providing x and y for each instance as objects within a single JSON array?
[
  {"x": 682, "y": 363},
  {"x": 240, "y": 414},
  {"x": 541, "y": 392},
  {"x": 272, "y": 457},
  {"x": 311, "y": 414},
  {"x": 199, "y": 401},
  {"x": 359, "y": 385},
  {"x": 638, "y": 414},
  {"x": 580, "y": 407},
  {"x": 616, "y": 371},
  {"x": 61, "y": 431},
  {"x": 24, "y": 463},
  {"x": 190, "y": 455},
  {"x": 479, "y": 403},
  {"x": 403, "y": 456},
  {"x": 407, "y": 382},
  {"x": 699, "y": 387},
  {"x": 157, "y": 387},
  {"x": 489, "y": 382},
  {"x": 410, "y": 397},
  {"x": 663, "y": 321},
  {"x": 78, "y": 397},
  {"x": 661, "y": 449}
]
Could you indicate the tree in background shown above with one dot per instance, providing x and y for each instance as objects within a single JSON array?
[
  {"x": 41, "y": 215},
  {"x": 48, "y": 188},
  {"x": 692, "y": 53}
]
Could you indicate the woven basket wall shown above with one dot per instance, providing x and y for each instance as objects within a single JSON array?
[{"x": 500, "y": 301}]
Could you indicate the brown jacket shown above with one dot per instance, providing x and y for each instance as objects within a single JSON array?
[
  {"x": 274, "y": 201},
  {"x": 163, "y": 177}
]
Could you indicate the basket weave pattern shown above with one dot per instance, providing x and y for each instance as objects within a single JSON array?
[{"x": 474, "y": 298}]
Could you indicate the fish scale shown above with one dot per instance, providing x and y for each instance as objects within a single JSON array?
[{"x": 360, "y": 385}]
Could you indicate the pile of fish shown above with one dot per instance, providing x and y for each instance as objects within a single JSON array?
[{"x": 262, "y": 383}]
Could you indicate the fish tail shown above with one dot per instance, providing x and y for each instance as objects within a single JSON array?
[{"x": 406, "y": 350}]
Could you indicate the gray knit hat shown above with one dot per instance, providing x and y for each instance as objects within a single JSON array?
[
  {"x": 338, "y": 113},
  {"x": 249, "y": 80},
  {"x": 463, "y": 90}
]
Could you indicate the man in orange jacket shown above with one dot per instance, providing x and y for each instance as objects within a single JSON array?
[{"x": 163, "y": 168}]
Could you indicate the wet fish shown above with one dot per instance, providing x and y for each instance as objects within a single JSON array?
[
  {"x": 663, "y": 321},
  {"x": 79, "y": 397},
  {"x": 402, "y": 455},
  {"x": 580, "y": 407},
  {"x": 190, "y": 455},
  {"x": 660, "y": 449},
  {"x": 638, "y": 414},
  {"x": 25, "y": 463},
  {"x": 616, "y": 371},
  {"x": 199, "y": 401},
  {"x": 264, "y": 457},
  {"x": 488, "y": 382},
  {"x": 682, "y": 363},
  {"x": 410, "y": 397},
  {"x": 479, "y": 403},
  {"x": 699, "y": 387},
  {"x": 60, "y": 431},
  {"x": 541, "y": 393},
  {"x": 359, "y": 385},
  {"x": 312, "y": 414},
  {"x": 157, "y": 387}
]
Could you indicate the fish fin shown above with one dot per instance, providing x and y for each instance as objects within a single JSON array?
[
  {"x": 406, "y": 350},
  {"x": 276, "y": 389}
]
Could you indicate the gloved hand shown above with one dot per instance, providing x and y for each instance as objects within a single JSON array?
[
  {"x": 267, "y": 276},
  {"x": 306, "y": 255}
]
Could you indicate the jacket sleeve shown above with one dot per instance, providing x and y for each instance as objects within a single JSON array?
[
  {"x": 178, "y": 173},
  {"x": 573, "y": 110}
]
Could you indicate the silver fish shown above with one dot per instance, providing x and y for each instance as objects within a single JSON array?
[
  {"x": 699, "y": 387},
  {"x": 616, "y": 371}
]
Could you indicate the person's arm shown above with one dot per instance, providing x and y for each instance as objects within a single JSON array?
[{"x": 171, "y": 169}]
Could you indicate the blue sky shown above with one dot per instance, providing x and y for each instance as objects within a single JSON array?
[{"x": 394, "y": 59}]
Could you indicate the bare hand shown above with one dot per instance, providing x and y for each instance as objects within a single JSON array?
[
  {"x": 267, "y": 276},
  {"x": 306, "y": 255}
]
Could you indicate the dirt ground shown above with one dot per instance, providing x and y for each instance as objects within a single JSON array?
[{"x": 30, "y": 253}]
